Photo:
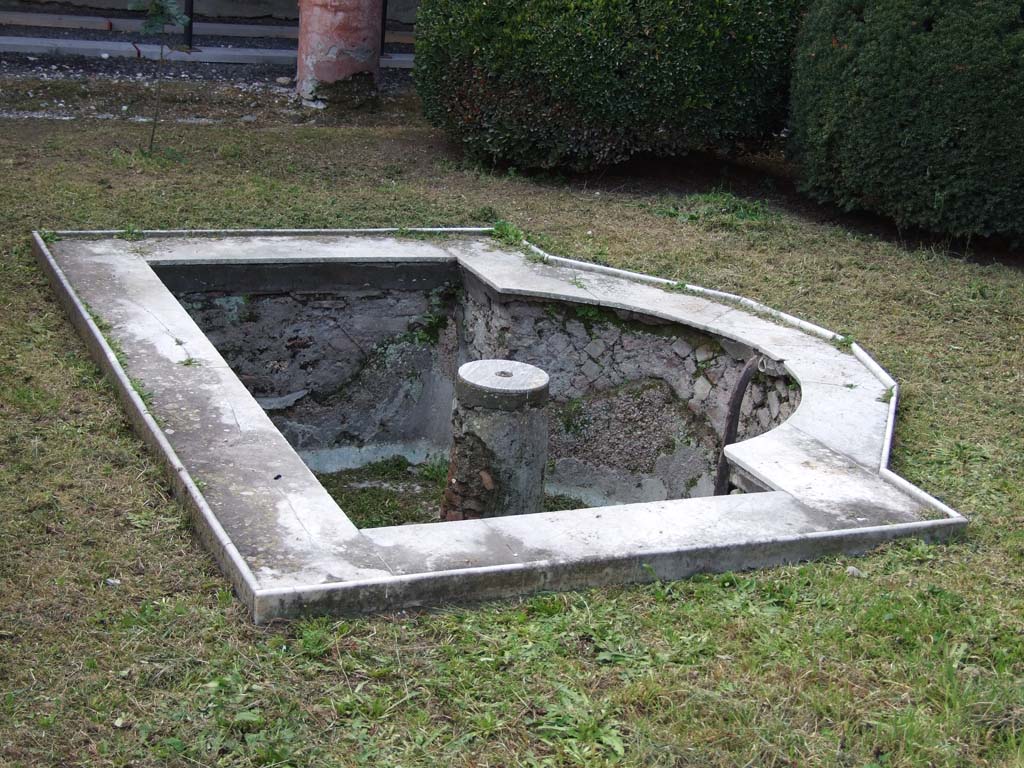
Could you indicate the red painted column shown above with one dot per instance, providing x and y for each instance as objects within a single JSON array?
[{"x": 337, "y": 40}]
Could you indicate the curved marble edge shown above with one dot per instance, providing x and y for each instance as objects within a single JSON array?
[
  {"x": 841, "y": 402},
  {"x": 891, "y": 385}
]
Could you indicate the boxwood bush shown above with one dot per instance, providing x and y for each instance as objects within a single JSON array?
[
  {"x": 914, "y": 109},
  {"x": 581, "y": 83}
]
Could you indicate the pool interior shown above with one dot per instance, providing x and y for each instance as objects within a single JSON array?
[{"x": 355, "y": 364}]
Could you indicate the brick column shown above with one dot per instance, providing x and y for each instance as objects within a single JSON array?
[{"x": 338, "y": 40}]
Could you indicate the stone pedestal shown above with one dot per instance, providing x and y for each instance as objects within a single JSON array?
[
  {"x": 500, "y": 441},
  {"x": 338, "y": 40}
]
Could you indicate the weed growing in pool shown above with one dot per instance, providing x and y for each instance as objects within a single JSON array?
[
  {"x": 388, "y": 492},
  {"x": 573, "y": 418}
]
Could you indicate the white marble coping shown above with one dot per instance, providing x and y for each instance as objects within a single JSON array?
[{"x": 289, "y": 550}]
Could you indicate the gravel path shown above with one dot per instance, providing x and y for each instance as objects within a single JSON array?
[
  {"x": 141, "y": 70},
  {"x": 199, "y": 41},
  {"x": 68, "y": 9},
  {"x": 114, "y": 68}
]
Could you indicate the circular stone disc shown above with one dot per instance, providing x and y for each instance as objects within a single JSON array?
[{"x": 501, "y": 384}]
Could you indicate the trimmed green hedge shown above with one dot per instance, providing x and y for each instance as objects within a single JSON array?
[
  {"x": 582, "y": 83},
  {"x": 914, "y": 109}
]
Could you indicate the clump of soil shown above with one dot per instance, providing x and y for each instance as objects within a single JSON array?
[{"x": 629, "y": 427}]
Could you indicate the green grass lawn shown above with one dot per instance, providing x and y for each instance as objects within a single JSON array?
[{"x": 121, "y": 644}]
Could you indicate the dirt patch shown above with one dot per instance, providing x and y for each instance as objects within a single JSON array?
[{"x": 629, "y": 427}]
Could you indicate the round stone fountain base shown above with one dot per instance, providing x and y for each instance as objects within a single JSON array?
[{"x": 499, "y": 441}]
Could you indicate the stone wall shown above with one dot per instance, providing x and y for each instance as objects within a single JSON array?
[
  {"x": 638, "y": 405},
  {"x": 348, "y": 376},
  {"x": 351, "y": 374}
]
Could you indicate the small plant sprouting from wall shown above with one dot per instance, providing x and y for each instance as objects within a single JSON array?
[
  {"x": 588, "y": 314},
  {"x": 429, "y": 327}
]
